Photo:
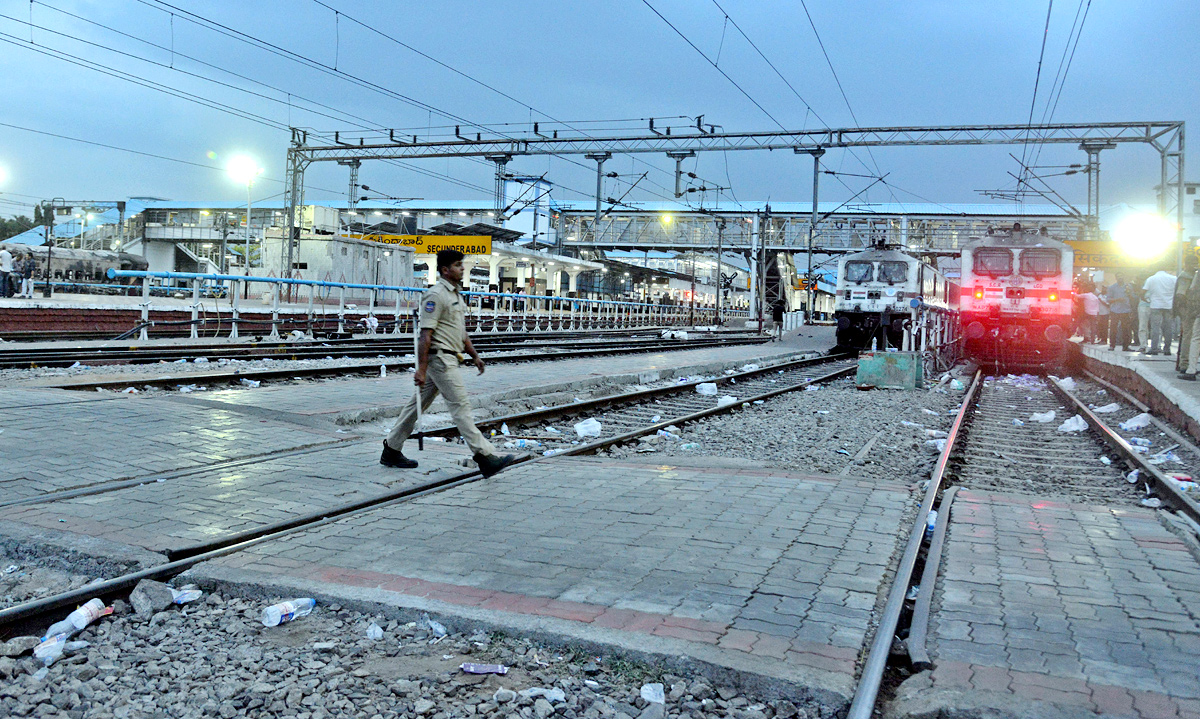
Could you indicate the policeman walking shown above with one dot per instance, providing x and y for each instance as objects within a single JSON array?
[{"x": 439, "y": 351}]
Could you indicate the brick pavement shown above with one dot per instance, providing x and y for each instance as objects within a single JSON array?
[
  {"x": 750, "y": 563},
  {"x": 1083, "y": 607},
  {"x": 55, "y": 440}
]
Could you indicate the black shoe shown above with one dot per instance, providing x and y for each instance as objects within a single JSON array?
[
  {"x": 392, "y": 458},
  {"x": 489, "y": 465},
  {"x": 1189, "y": 376},
  {"x": 1126, "y": 348}
]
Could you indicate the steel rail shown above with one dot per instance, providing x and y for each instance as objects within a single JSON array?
[
  {"x": 581, "y": 449},
  {"x": 392, "y": 366},
  {"x": 28, "y": 359},
  {"x": 1159, "y": 481},
  {"x": 182, "y": 559},
  {"x": 919, "y": 626},
  {"x": 867, "y": 691}
]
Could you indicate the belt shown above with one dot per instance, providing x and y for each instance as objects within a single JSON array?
[{"x": 447, "y": 353}]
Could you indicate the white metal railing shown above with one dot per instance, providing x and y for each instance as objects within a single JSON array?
[{"x": 487, "y": 311}]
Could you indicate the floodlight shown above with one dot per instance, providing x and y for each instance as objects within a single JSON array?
[
  {"x": 243, "y": 169},
  {"x": 1144, "y": 236}
]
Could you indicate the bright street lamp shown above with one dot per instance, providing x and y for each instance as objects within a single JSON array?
[{"x": 244, "y": 169}]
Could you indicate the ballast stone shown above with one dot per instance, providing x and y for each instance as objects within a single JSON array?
[{"x": 150, "y": 597}]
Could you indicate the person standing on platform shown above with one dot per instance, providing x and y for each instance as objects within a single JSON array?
[
  {"x": 777, "y": 318},
  {"x": 1120, "y": 313},
  {"x": 1160, "y": 293},
  {"x": 1141, "y": 332},
  {"x": 1090, "y": 305},
  {"x": 1179, "y": 308},
  {"x": 1101, "y": 314},
  {"x": 443, "y": 339},
  {"x": 6, "y": 268}
]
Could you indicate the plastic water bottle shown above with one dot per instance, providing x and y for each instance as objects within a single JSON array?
[
  {"x": 84, "y": 615},
  {"x": 287, "y": 611},
  {"x": 930, "y": 522}
]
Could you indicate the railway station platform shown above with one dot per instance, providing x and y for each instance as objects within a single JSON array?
[{"x": 1152, "y": 379}]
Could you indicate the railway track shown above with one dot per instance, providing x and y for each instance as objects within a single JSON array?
[
  {"x": 235, "y": 375},
  {"x": 997, "y": 444},
  {"x": 117, "y": 353},
  {"x": 676, "y": 404}
]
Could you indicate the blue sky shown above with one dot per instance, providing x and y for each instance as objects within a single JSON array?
[{"x": 900, "y": 63}]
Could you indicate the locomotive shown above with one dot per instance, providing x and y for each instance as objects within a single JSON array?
[
  {"x": 880, "y": 292},
  {"x": 1016, "y": 301},
  {"x": 82, "y": 266}
]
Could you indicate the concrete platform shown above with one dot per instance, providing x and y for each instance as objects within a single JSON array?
[
  {"x": 1150, "y": 378},
  {"x": 1051, "y": 609}
]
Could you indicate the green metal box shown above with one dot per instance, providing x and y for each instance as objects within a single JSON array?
[{"x": 890, "y": 370}]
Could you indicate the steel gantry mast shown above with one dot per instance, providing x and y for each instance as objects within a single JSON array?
[{"x": 1167, "y": 137}]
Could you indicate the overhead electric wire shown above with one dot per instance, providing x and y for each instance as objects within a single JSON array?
[
  {"x": 191, "y": 97},
  {"x": 1060, "y": 79},
  {"x": 1036, "y": 81},
  {"x": 317, "y": 65},
  {"x": 479, "y": 82}
]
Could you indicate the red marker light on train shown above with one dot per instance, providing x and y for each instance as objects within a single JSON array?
[
  {"x": 1053, "y": 297},
  {"x": 979, "y": 293}
]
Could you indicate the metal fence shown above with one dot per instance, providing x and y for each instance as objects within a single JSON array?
[{"x": 486, "y": 311}]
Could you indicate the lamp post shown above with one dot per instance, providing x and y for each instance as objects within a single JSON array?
[{"x": 244, "y": 169}]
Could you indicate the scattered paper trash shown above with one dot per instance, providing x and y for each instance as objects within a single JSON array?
[
  {"x": 251, "y": 383},
  {"x": 1065, "y": 382},
  {"x": 1042, "y": 417},
  {"x": 438, "y": 629},
  {"x": 1074, "y": 424},
  {"x": 1105, "y": 461},
  {"x": 935, "y": 446},
  {"x": 1017, "y": 422},
  {"x": 957, "y": 385},
  {"x": 1108, "y": 409},
  {"x": 689, "y": 446},
  {"x": 935, "y": 433},
  {"x": 749, "y": 367},
  {"x": 472, "y": 668},
  {"x": 552, "y": 452},
  {"x": 654, "y": 693},
  {"x": 522, "y": 444},
  {"x": 709, "y": 388},
  {"x": 185, "y": 595},
  {"x": 554, "y": 696},
  {"x": 726, "y": 400},
  {"x": 588, "y": 428},
  {"x": 374, "y": 632},
  {"x": 1139, "y": 422}
]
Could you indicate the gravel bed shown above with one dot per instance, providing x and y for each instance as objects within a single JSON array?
[
  {"x": 821, "y": 431},
  {"x": 1173, "y": 460},
  {"x": 213, "y": 657}
]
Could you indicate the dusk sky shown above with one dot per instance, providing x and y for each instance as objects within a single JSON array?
[{"x": 900, "y": 63}]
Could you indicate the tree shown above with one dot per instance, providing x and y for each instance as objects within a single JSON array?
[
  {"x": 39, "y": 218},
  {"x": 15, "y": 226}
]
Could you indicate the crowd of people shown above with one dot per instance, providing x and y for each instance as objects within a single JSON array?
[
  {"x": 16, "y": 274},
  {"x": 1147, "y": 315}
]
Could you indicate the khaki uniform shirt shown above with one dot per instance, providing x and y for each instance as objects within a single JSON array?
[{"x": 444, "y": 311}]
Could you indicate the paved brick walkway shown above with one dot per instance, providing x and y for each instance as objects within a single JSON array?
[
  {"x": 1081, "y": 606},
  {"x": 764, "y": 564}
]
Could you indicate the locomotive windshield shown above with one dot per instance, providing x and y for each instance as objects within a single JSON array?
[
  {"x": 1039, "y": 262},
  {"x": 858, "y": 271},
  {"x": 993, "y": 262},
  {"x": 893, "y": 272}
]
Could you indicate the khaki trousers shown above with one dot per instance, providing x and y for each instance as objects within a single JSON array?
[
  {"x": 442, "y": 376},
  {"x": 1193, "y": 350}
]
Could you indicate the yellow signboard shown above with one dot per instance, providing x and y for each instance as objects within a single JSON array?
[
  {"x": 1101, "y": 254},
  {"x": 432, "y": 244}
]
